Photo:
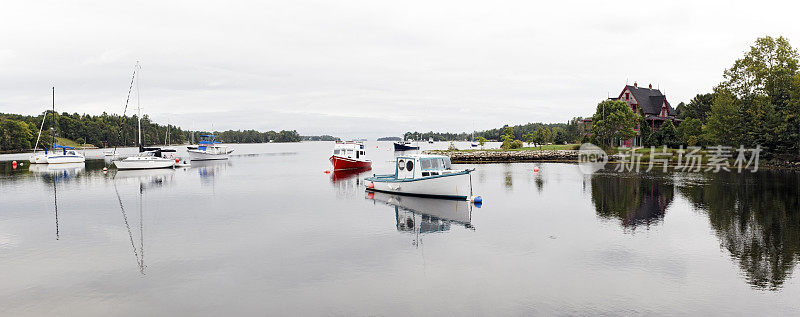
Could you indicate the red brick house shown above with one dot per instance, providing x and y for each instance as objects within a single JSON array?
[{"x": 652, "y": 103}]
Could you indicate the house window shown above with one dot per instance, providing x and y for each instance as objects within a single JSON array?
[{"x": 627, "y": 95}]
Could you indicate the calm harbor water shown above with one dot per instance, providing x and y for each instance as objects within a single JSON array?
[{"x": 267, "y": 232}]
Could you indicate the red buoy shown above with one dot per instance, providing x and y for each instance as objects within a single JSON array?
[
  {"x": 371, "y": 185},
  {"x": 14, "y": 164},
  {"x": 327, "y": 171},
  {"x": 177, "y": 161},
  {"x": 536, "y": 169}
]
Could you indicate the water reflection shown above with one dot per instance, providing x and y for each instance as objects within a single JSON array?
[
  {"x": 508, "y": 179},
  {"x": 756, "y": 218},
  {"x": 52, "y": 174},
  {"x": 350, "y": 182},
  {"x": 147, "y": 180},
  {"x": 61, "y": 172},
  {"x": 425, "y": 215},
  {"x": 635, "y": 199},
  {"x": 208, "y": 170}
]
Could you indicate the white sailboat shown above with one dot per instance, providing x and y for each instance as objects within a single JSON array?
[
  {"x": 66, "y": 154},
  {"x": 148, "y": 158}
]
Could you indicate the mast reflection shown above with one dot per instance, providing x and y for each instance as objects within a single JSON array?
[
  {"x": 147, "y": 180},
  {"x": 53, "y": 174}
]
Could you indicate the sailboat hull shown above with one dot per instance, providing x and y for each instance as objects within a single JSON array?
[{"x": 141, "y": 163}]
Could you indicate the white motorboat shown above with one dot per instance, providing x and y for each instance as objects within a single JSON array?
[
  {"x": 424, "y": 176},
  {"x": 67, "y": 154},
  {"x": 208, "y": 149}
]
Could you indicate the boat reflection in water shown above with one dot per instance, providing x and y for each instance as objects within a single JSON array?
[
  {"x": 208, "y": 169},
  {"x": 147, "y": 180},
  {"x": 349, "y": 183},
  {"x": 426, "y": 215},
  {"x": 58, "y": 171},
  {"x": 55, "y": 173}
]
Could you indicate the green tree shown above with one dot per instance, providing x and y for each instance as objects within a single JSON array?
[
  {"x": 528, "y": 137},
  {"x": 669, "y": 135},
  {"x": 757, "y": 102},
  {"x": 540, "y": 137},
  {"x": 481, "y": 140},
  {"x": 613, "y": 121},
  {"x": 690, "y": 129},
  {"x": 14, "y": 135},
  {"x": 508, "y": 138},
  {"x": 559, "y": 135},
  {"x": 649, "y": 137},
  {"x": 698, "y": 108}
]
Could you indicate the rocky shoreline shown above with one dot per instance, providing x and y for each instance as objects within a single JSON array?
[
  {"x": 560, "y": 156},
  {"x": 460, "y": 157}
]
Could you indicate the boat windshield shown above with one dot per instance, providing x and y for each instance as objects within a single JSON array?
[{"x": 435, "y": 163}]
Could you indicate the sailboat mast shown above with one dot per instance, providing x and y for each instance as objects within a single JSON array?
[
  {"x": 53, "y": 130},
  {"x": 139, "y": 106}
]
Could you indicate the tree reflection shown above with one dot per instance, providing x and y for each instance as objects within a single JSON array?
[
  {"x": 756, "y": 218},
  {"x": 633, "y": 199}
]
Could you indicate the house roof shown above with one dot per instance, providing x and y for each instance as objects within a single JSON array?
[{"x": 650, "y": 100}]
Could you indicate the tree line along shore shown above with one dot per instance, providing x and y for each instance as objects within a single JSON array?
[{"x": 18, "y": 133}]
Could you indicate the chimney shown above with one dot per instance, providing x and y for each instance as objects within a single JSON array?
[
  {"x": 635, "y": 84},
  {"x": 650, "y": 86}
]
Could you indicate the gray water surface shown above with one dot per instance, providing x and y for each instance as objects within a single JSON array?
[{"x": 268, "y": 233}]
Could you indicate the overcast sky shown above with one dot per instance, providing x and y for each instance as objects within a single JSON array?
[{"x": 369, "y": 68}]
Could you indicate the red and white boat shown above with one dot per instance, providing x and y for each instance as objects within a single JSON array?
[{"x": 349, "y": 155}]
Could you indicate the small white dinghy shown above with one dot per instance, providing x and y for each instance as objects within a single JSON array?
[{"x": 424, "y": 176}]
